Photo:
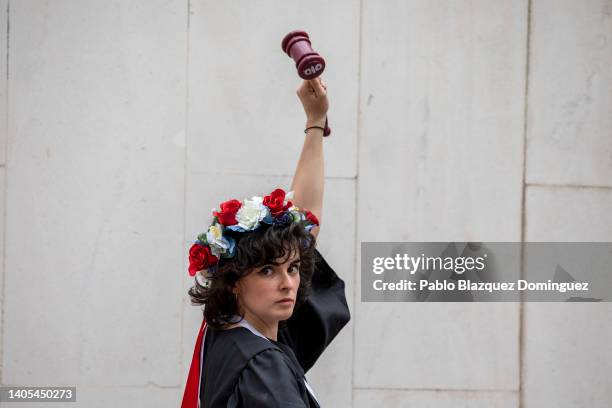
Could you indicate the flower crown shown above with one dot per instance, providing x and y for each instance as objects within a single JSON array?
[{"x": 243, "y": 216}]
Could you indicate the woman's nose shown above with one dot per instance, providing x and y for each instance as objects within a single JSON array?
[{"x": 286, "y": 280}]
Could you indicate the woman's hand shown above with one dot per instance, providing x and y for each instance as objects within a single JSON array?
[{"x": 313, "y": 95}]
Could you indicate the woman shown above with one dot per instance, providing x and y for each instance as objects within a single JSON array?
[{"x": 271, "y": 302}]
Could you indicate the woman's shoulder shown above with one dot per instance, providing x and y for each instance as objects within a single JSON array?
[
  {"x": 270, "y": 379},
  {"x": 249, "y": 349},
  {"x": 237, "y": 353},
  {"x": 239, "y": 340}
]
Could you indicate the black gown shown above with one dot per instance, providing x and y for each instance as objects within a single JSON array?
[{"x": 242, "y": 369}]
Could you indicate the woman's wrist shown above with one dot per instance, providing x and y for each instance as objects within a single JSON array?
[{"x": 316, "y": 122}]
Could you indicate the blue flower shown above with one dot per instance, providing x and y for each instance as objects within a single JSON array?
[
  {"x": 268, "y": 219},
  {"x": 235, "y": 227},
  {"x": 283, "y": 219},
  {"x": 232, "y": 248}
]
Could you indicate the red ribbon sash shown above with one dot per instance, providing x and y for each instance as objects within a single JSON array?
[{"x": 192, "y": 387}]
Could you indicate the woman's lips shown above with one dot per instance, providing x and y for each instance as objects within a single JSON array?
[{"x": 285, "y": 301}]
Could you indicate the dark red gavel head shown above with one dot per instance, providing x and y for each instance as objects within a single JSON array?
[{"x": 308, "y": 62}]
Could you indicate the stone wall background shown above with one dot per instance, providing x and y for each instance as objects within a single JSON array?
[{"x": 125, "y": 122}]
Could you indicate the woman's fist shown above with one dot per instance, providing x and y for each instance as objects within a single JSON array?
[{"x": 313, "y": 95}]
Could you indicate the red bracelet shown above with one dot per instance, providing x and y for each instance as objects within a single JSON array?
[{"x": 314, "y": 127}]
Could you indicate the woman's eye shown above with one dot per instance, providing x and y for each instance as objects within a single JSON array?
[{"x": 266, "y": 271}]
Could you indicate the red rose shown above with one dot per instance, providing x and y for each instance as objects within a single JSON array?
[
  {"x": 227, "y": 215},
  {"x": 200, "y": 258},
  {"x": 275, "y": 201},
  {"x": 312, "y": 218}
]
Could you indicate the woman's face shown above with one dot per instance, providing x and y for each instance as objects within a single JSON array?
[{"x": 261, "y": 292}]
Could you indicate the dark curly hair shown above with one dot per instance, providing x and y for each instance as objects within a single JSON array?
[{"x": 267, "y": 243}]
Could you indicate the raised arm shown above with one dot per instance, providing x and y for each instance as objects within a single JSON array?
[{"x": 308, "y": 180}]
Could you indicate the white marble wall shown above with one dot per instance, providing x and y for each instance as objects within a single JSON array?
[
  {"x": 442, "y": 97},
  {"x": 129, "y": 120},
  {"x": 95, "y": 198},
  {"x": 566, "y": 355}
]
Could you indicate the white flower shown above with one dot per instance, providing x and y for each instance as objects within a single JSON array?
[
  {"x": 251, "y": 213},
  {"x": 218, "y": 244},
  {"x": 288, "y": 196}
]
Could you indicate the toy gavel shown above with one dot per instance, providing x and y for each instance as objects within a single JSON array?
[{"x": 308, "y": 62}]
